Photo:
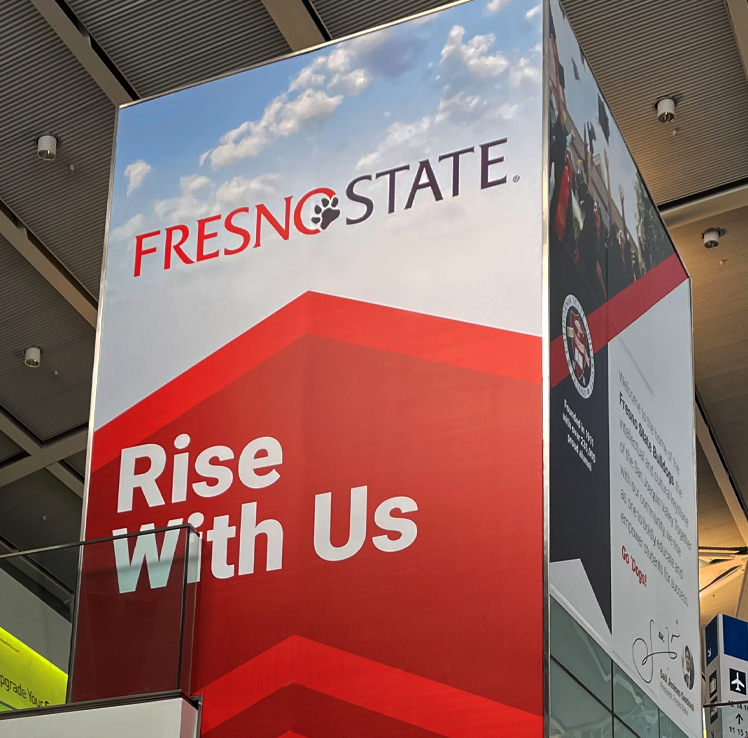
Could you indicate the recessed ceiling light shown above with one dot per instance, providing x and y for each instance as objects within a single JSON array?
[
  {"x": 32, "y": 357},
  {"x": 712, "y": 236},
  {"x": 46, "y": 147},
  {"x": 665, "y": 109}
]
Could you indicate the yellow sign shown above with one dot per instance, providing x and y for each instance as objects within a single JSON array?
[{"x": 26, "y": 678}]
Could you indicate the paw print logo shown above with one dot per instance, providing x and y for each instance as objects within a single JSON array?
[{"x": 325, "y": 213}]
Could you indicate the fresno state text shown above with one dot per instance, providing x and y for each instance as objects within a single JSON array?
[{"x": 171, "y": 242}]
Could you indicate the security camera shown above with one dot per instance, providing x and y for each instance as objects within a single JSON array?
[
  {"x": 32, "y": 357},
  {"x": 665, "y": 109},
  {"x": 711, "y": 237},
  {"x": 46, "y": 147}
]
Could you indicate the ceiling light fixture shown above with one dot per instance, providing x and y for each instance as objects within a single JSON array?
[
  {"x": 665, "y": 109},
  {"x": 46, "y": 147},
  {"x": 32, "y": 357},
  {"x": 712, "y": 236}
]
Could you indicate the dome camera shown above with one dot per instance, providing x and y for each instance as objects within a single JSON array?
[
  {"x": 46, "y": 147},
  {"x": 665, "y": 109},
  {"x": 711, "y": 237}
]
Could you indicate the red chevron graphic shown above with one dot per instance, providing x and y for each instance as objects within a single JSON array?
[
  {"x": 476, "y": 347},
  {"x": 392, "y": 692},
  {"x": 314, "y": 715}
]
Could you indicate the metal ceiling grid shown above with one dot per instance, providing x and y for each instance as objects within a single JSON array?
[
  {"x": 33, "y": 314},
  {"x": 38, "y": 511},
  {"x": 641, "y": 50},
  {"x": 343, "y": 17},
  {"x": 45, "y": 90},
  {"x": 720, "y": 308},
  {"x": 8, "y": 449},
  {"x": 159, "y": 45}
]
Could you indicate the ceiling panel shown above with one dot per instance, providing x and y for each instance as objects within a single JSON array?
[
  {"x": 46, "y": 90},
  {"x": 720, "y": 308},
  {"x": 54, "y": 397},
  {"x": 38, "y": 511},
  {"x": 8, "y": 448},
  {"x": 641, "y": 50},
  {"x": 342, "y": 17},
  {"x": 159, "y": 45}
]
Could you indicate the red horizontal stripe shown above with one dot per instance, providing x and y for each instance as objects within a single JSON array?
[{"x": 622, "y": 310}]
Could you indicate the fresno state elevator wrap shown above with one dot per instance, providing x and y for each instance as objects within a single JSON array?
[
  {"x": 320, "y": 346},
  {"x": 623, "y": 544}
]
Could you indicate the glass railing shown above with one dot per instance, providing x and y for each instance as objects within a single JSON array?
[{"x": 97, "y": 620}]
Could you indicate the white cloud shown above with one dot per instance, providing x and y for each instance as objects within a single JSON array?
[
  {"x": 310, "y": 104},
  {"x": 282, "y": 117},
  {"x": 466, "y": 98},
  {"x": 352, "y": 83},
  {"x": 310, "y": 76},
  {"x": 304, "y": 100},
  {"x": 494, "y": 6},
  {"x": 340, "y": 58},
  {"x": 507, "y": 111},
  {"x": 195, "y": 183},
  {"x": 400, "y": 136},
  {"x": 524, "y": 70},
  {"x": 241, "y": 191},
  {"x": 128, "y": 230},
  {"x": 462, "y": 104},
  {"x": 474, "y": 54},
  {"x": 199, "y": 196},
  {"x": 136, "y": 173},
  {"x": 369, "y": 41},
  {"x": 191, "y": 203},
  {"x": 533, "y": 12}
]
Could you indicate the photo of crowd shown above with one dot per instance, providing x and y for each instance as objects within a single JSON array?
[{"x": 612, "y": 234}]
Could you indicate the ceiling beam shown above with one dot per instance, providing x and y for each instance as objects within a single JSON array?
[
  {"x": 722, "y": 554},
  {"x": 42, "y": 455},
  {"x": 738, "y": 12},
  {"x": 741, "y": 609},
  {"x": 721, "y": 473},
  {"x": 710, "y": 572},
  {"x": 705, "y": 206},
  {"x": 48, "y": 265},
  {"x": 300, "y": 26},
  {"x": 68, "y": 476},
  {"x": 86, "y": 51},
  {"x": 721, "y": 580}
]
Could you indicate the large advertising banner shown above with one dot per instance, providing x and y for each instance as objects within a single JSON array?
[
  {"x": 623, "y": 538},
  {"x": 320, "y": 345}
]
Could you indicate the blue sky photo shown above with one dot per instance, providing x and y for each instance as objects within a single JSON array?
[{"x": 454, "y": 79}]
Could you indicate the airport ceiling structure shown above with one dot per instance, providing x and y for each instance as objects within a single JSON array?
[{"x": 66, "y": 64}]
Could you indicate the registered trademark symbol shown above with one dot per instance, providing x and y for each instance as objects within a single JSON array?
[{"x": 515, "y": 178}]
